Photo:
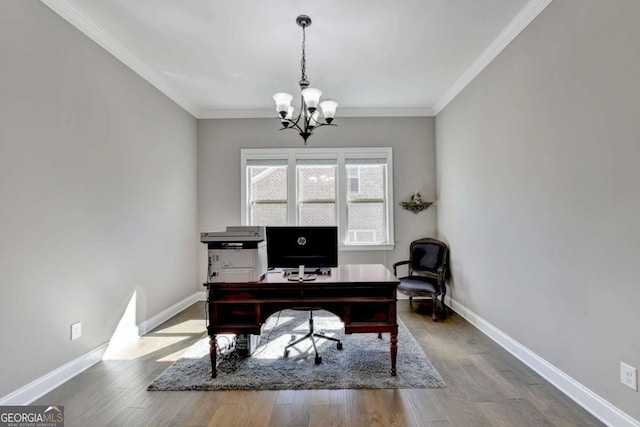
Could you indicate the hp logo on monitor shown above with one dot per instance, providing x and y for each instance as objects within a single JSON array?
[{"x": 302, "y": 241}]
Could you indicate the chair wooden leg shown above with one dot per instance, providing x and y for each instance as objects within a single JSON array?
[
  {"x": 445, "y": 309},
  {"x": 434, "y": 308}
]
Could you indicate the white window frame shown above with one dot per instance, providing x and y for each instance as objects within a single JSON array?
[{"x": 339, "y": 154}]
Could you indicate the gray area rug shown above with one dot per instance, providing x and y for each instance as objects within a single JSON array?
[{"x": 364, "y": 361}]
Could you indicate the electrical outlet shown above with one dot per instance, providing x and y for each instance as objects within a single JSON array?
[
  {"x": 629, "y": 376},
  {"x": 76, "y": 330}
]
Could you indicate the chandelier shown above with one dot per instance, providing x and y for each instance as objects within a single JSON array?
[{"x": 308, "y": 118}]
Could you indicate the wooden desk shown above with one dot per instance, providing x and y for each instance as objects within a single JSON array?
[{"x": 362, "y": 295}]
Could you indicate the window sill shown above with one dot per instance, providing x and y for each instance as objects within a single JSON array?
[{"x": 381, "y": 247}]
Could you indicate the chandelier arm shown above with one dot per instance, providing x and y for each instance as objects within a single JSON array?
[
  {"x": 319, "y": 125},
  {"x": 293, "y": 125},
  {"x": 303, "y": 109}
]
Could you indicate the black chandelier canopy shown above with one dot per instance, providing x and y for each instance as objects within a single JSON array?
[{"x": 308, "y": 118}]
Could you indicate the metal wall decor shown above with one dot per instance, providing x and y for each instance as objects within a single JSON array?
[{"x": 415, "y": 204}]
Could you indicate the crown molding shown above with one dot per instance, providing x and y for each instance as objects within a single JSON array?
[
  {"x": 68, "y": 12},
  {"x": 343, "y": 112},
  {"x": 528, "y": 13},
  {"x": 117, "y": 49},
  {"x": 387, "y": 112}
]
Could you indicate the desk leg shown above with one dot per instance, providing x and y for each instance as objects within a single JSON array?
[
  {"x": 212, "y": 354},
  {"x": 393, "y": 347}
]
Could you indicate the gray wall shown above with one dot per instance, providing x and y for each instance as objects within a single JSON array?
[
  {"x": 412, "y": 139},
  {"x": 98, "y": 190},
  {"x": 539, "y": 198}
]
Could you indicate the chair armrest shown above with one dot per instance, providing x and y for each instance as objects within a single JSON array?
[{"x": 397, "y": 264}]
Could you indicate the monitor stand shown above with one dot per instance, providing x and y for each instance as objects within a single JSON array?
[{"x": 300, "y": 276}]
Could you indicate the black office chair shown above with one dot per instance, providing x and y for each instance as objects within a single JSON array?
[
  {"x": 427, "y": 265},
  {"x": 312, "y": 335}
]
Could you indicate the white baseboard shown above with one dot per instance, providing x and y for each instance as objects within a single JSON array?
[
  {"x": 43, "y": 385},
  {"x": 590, "y": 401},
  {"x": 167, "y": 314}
]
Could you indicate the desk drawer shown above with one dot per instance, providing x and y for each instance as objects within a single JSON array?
[
  {"x": 292, "y": 292},
  {"x": 236, "y": 314}
]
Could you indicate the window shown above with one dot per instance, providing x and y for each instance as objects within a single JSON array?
[
  {"x": 366, "y": 209},
  {"x": 267, "y": 192},
  {"x": 350, "y": 188},
  {"x": 316, "y": 194}
]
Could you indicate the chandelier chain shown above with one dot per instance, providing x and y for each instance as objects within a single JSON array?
[{"x": 303, "y": 61}]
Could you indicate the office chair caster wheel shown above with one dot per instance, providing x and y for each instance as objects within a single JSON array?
[
  {"x": 318, "y": 360},
  {"x": 339, "y": 346},
  {"x": 286, "y": 354}
]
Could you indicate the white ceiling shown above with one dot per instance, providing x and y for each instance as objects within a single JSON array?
[{"x": 227, "y": 58}]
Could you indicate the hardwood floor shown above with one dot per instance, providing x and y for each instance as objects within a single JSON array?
[{"x": 486, "y": 386}]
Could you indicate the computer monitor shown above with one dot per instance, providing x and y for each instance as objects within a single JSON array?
[{"x": 314, "y": 247}]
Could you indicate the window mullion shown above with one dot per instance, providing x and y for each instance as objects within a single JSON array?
[
  {"x": 355, "y": 201},
  {"x": 388, "y": 183},
  {"x": 292, "y": 192},
  {"x": 317, "y": 201},
  {"x": 341, "y": 198},
  {"x": 269, "y": 202},
  {"x": 244, "y": 193}
]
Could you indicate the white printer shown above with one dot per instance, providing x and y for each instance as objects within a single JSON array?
[{"x": 238, "y": 254}]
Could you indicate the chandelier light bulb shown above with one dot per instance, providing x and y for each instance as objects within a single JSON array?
[
  {"x": 286, "y": 120},
  {"x": 290, "y": 113},
  {"x": 283, "y": 102},
  {"x": 328, "y": 108},
  {"x": 311, "y": 98}
]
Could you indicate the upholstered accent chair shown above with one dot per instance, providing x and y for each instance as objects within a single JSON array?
[{"x": 427, "y": 270}]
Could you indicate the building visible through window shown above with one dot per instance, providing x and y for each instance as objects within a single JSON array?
[
  {"x": 268, "y": 195},
  {"x": 353, "y": 180}
]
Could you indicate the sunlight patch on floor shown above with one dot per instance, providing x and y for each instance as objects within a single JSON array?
[
  {"x": 126, "y": 332},
  {"x": 193, "y": 326},
  {"x": 272, "y": 344},
  {"x": 145, "y": 346},
  {"x": 126, "y": 344}
]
